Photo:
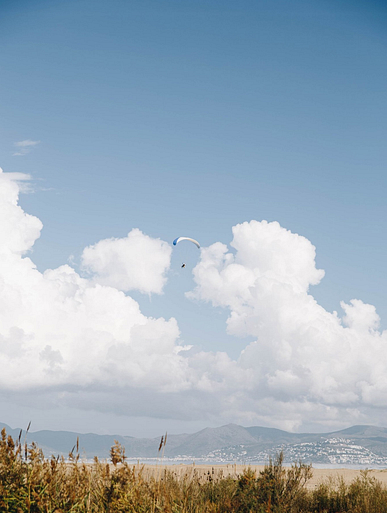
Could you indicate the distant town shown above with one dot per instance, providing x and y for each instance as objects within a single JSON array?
[{"x": 363, "y": 446}]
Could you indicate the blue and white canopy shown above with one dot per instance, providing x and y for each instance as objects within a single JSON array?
[{"x": 179, "y": 239}]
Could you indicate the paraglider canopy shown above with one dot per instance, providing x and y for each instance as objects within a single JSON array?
[{"x": 179, "y": 239}]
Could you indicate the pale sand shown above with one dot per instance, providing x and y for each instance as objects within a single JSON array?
[{"x": 207, "y": 472}]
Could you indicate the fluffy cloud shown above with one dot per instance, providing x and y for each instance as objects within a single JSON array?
[
  {"x": 81, "y": 341},
  {"x": 134, "y": 262},
  {"x": 60, "y": 331},
  {"x": 18, "y": 230},
  {"x": 305, "y": 362}
]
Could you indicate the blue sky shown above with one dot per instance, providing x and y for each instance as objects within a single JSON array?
[{"x": 187, "y": 118}]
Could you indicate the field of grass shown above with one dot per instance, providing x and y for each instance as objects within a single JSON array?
[{"x": 29, "y": 482}]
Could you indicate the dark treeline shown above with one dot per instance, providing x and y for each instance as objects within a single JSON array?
[{"x": 29, "y": 482}]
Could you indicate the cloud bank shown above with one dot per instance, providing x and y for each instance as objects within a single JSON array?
[
  {"x": 305, "y": 362},
  {"x": 67, "y": 339},
  {"x": 60, "y": 330}
]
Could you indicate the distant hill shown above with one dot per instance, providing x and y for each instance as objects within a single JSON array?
[
  {"x": 61, "y": 442},
  {"x": 357, "y": 445}
]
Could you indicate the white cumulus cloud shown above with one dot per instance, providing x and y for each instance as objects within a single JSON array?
[
  {"x": 18, "y": 230},
  {"x": 305, "y": 363},
  {"x": 60, "y": 331},
  {"x": 133, "y": 262},
  {"x": 67, "y": 339}
]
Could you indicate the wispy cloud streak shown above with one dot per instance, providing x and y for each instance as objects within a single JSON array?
[{"x": 24, "y": 147}]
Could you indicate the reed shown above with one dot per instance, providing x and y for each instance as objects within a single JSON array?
[{"x": 31, "y": 483}]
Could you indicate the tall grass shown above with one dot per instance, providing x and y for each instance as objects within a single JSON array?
[{"x": 29, "y": 482}]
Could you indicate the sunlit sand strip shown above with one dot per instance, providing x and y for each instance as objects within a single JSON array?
[{"x": 215, "y": 472}]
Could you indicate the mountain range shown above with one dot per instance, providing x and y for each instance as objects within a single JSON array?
[{"x": 357, "y": 445}]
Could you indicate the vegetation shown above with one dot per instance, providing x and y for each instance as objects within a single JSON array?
[{"x": 29, "y": 482}]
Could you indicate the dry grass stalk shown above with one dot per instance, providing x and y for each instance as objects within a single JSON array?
[{"x": 31, "y": 483}]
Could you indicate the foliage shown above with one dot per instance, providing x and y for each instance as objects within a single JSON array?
[{"x": 31, "y": 483}]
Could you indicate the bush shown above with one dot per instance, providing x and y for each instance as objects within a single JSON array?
[{"x": 276, "y": 489}]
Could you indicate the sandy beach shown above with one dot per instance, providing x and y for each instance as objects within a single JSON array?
[{"x": 208, "y": 472}]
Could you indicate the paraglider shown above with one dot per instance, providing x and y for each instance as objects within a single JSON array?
[{"x": 179, "y": 239}]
